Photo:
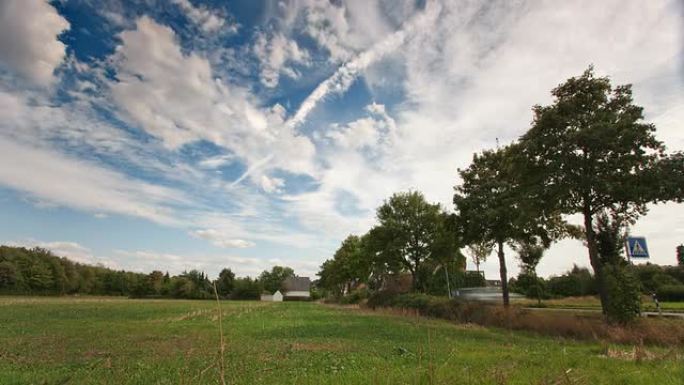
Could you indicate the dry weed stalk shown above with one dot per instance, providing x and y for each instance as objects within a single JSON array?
[{"x": 222, "y": 347}]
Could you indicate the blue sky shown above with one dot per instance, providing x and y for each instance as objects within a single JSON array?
[{"x": 203, "y": 134}]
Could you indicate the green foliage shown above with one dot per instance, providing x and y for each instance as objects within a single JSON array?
[
  {"x": 474, "y": 279},
  {"x": 577, "y": 282},
  {"x": 530, "y": 285},
  {"x": 412, "y": 231},
  {"x": 9, "y": 275},
  {"x": 493, "y": 207},
  {"x": 350, "y": 267},
  {"x": 38, "y": 271},
  {"x": 246, "y": 288},
  {"x": 479, "y": 253},
  {"x": 435, "y": 274},
  {"x": 591, "y": 153},
  {"x": 653, "y": 277},
  {"x": 622, "y": 293},
  {"x": 680, "y": 255},
  {"x": 355, "y": 296},
  {"x": 674, "y": 293},
  {"x": 225, "y": 282},
  {"x": 272, "y": 281}
]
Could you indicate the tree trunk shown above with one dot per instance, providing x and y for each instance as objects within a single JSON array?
[
  {"x": 414, "y": 280},
  {"x": 594, "y": 257},
  {"x": 504, "y": 274}
]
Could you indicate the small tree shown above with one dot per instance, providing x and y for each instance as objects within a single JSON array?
[
  {"x": 225, "y": 282},
  {"x": 492, "y": 208},
  {"x": 411, "y": 231},
  {"x": 273, "y": 281},
  {"x": 530, "y": 255},
  {"x": 479, "y": 253},
  {"x": 680, "y": 255}
]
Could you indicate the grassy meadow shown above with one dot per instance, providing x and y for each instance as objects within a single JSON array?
[{"x": 122, "y": 341}]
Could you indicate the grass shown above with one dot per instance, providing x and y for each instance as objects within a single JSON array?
[
  {"x": 592, "y": 302},
  {"x": 121, "y": 341}
]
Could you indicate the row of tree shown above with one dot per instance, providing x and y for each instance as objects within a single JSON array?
[
  {"x": 38, "y": 271},
  {"x": 589, "y": 153}
]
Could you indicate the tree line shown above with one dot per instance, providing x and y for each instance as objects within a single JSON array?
[
  {"x": 38, "y": 271},
  {"x": 588, "y": 154}
]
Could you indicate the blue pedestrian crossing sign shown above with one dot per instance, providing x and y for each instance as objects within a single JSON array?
[{"x": 636, "y": 247}]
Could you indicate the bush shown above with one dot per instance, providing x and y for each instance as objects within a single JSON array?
[
  {"x": 651, "y": 331},
  {"x": 529, "y": 285},
  {"x": 474, "y": 279},
  {"x": 670, "y": 293},
  {"x": 246, "y": 288},
  {"x": 574, "y": 283},
  {"x": 623, "y": 294},
  {"x": 356, "y": 296}
]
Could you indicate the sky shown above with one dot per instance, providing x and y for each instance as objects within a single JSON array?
[{"x": 189, "y": 134}]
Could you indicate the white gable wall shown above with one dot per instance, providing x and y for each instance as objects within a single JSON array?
[{"x": 277, "y": 296}]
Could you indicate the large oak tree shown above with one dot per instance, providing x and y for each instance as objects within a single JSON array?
[{"x": 592, "y": 153}]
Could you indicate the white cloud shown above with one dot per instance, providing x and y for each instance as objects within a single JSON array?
[
  {"x": 53, "y": 177},
  {"x": 206, "y": 19},
  {"x": 147, "y": 261},
  {"x": 468, "y": 71},
  {"x": 274, "y": 54},
  {"x": 372, "y": 132},
  {"x": 28, "y": 39},
  {"x": 472, "y": 75},
  {"x": 176, "y": 98},
  {"x": 221, "y": 239},
  {"x": 216, "y": 161},
  {"x": 272, "y": 185}
]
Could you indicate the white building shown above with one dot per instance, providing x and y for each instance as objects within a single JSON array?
[
  {"x": 294, "y": 288},
  {"x": 275, "y": 297},
  {"x": 297, "y": 288}
]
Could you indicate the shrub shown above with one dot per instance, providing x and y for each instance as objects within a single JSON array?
[
  {"x": 355, "y": 296},
  {"x": 623, "y": 294},
  {"x": 529, "y": 285},
  {"x": 474, "y": 279},
  {"x": 576, "y": 282},
  {"x": 246, "y": 288},
  {"x": 651, "y": 331},
  {"x": 670, "y": 293},
  {"x": 676, "y": 272}
]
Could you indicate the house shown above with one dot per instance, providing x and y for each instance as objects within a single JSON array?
[
  {"x": 297, "y": 288},
  {"x": 275, "y": 297}
]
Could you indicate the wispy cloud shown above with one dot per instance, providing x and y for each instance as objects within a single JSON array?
[{"x": 343, "y": 78}]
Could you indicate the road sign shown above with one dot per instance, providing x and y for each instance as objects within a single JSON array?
[{"x": 636, "y": 247}]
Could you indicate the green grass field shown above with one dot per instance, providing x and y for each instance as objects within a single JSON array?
[{"x": 121, "y": 341}]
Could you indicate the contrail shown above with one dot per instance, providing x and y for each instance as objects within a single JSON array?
[
  {"x": 251, "y": 169},
  {"x": 342, "y": 79}
]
